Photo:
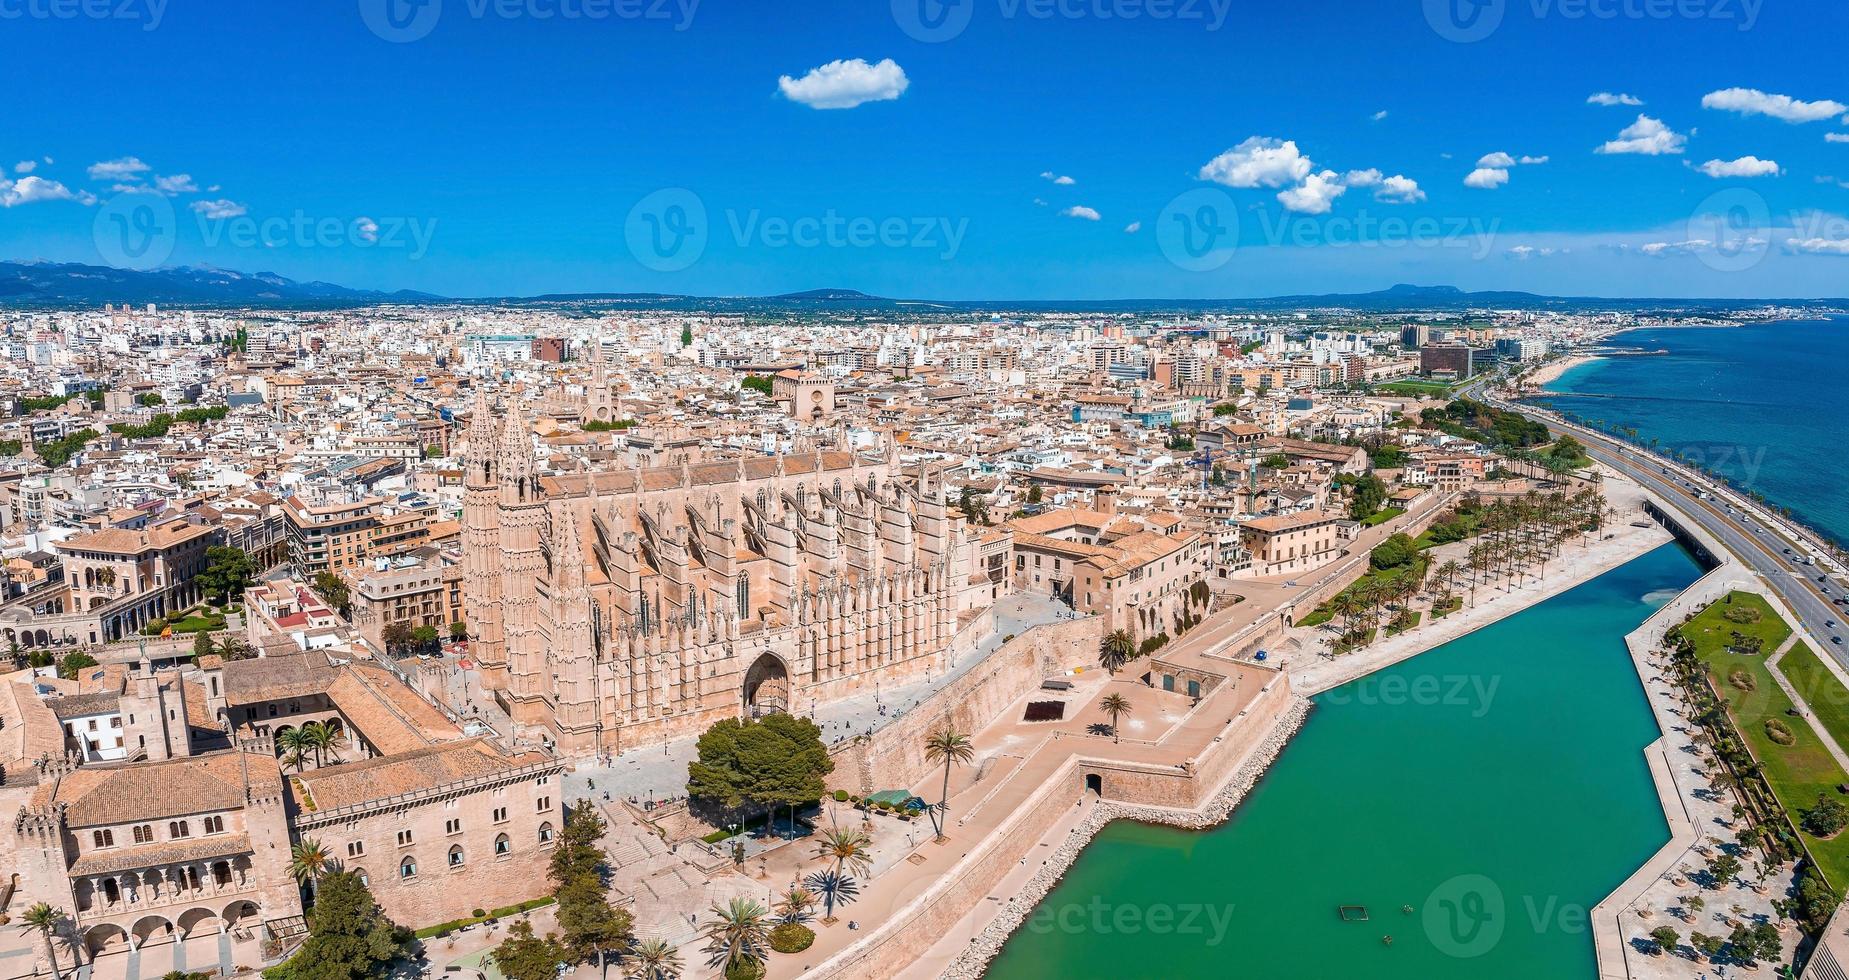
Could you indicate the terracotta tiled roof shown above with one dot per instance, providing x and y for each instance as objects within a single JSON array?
[
  {"x": 390, "y": 715},
  {"x": 271, "y": 678},
  {"x": 407, "y": 772},
  {"x": 158, "y": 790}
]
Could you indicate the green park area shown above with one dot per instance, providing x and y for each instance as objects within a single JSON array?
[
  {"x": 1733, "y": 638},
  {"x": 1819, "y": 687}
]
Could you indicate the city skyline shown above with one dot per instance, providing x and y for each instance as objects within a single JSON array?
[{"x": 977, "y": 151}]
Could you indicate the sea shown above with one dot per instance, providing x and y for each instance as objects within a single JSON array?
[{"x": 1764, "y": 405}]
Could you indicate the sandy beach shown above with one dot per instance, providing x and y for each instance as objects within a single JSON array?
[{"x": 1552, "y": 370}]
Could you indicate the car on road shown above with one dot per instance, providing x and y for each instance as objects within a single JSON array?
[{"x": 1836, "y": 640}]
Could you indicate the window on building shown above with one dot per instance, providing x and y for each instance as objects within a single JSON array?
[
  {"x": 455, "y": 856},
  {"x": 215, "y": 825},
  {"x": 404, "y": 838},
  {"x": 452, "y": 826},
  {"x": 178, "y": 829},
  {"x": 500, "y": 814},
  {"x": 545, "y": 833},
  {"x": 144, "y": 834},
  {"x": 503, "y": 846},
  {"x": 545, "y": 803},
  {"x": 407, "y": 868},
  {"x": 356, "y": 848},
  {"x": 105, "y": 838}
]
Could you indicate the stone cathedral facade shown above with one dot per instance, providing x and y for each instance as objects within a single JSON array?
[{"x": 616, "y": 609}]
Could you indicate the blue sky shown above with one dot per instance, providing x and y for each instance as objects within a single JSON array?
[{"x": 497, "y": 150}]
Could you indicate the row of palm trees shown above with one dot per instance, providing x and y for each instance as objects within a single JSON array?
[{"x": 1515, "y": 537}]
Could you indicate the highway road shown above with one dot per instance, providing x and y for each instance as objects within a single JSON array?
[{"x": 1800, "y": 575}]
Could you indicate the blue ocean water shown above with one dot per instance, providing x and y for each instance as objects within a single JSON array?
[{"x": 1764, "y": 405}]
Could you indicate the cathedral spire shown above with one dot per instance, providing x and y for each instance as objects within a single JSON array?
[
  {"x": 479, "y": 464},
  {"x": 516, "y": 458}
]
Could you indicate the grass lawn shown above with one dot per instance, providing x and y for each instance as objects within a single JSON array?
[
  {"x": 1797, "y": 772},
  {"x": 1317, "y": 618},
  {"x": 1380, "y": 517},
  {"x": 1401, "y": 624},
  {"x": 1819, "y": 688}
]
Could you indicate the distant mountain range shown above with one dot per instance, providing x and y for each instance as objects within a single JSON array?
[
  {"x": 72, "y": 284},
  {"x": 65, "y": 284}
]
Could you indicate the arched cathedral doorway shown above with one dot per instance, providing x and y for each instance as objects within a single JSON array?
[{"x": 767, "y": 687}]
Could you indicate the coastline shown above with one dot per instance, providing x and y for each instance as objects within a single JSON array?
[{"x": 1553, "y": 370}]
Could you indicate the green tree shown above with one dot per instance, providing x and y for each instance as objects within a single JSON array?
[
  {"x": 763, "y": 763},
  {"x": 74, "y": 662},
  {"x": 47, "y": 921},
  {"x": 592, "y": 926},
  {"x": 686, "y": 335},
  {"x": 1115, "y": 705},
  {"x": 738, "y": 937},
  {"x": 202, "y": 644},
  {"x": 228, "y": 572},
  {"x": 524, "y": 956},
  {"x": 333, "y": 589},
  {"x": 1397, "y": 551},
  {"x": 950, "y": 747},
  {"x": 424, "y": 637},
  {"x": 318, "y": 738},
  {"x": 1825, "y": 818},
  {"x": 294, "y": 746},
  {"x": 654, "y": 959},
  {"x": 309, "y": 861},
  {"x": 397, "y": 635},
  {"x": 458, "y": 631},
  {"x": 849, "y": 849},
  {"x": 1666, "y": 938},
  {"x": 1116, "y": 649},
  {"x": 756, "y": 383},
  {"x": 349, "y": 937}
]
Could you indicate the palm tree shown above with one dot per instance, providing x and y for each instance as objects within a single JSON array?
[
  {"x": 737, "y": 934},
  {"x": 848, "y": 848},
  {"x": 1114, "y": 705},
  {"x": 1118, "y": 647},
  {"x": 47, "y": 920},
  {"x": 951, "y": 747},
  {"x": 309, "y": 861},
  {"x": 654, "y": 959},
  {"x": 794, "y": 904},
  {"x": 294, "y": 744},
  {"x": 318, "y": 737}
]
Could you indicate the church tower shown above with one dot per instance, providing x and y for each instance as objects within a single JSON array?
[
  {"x": 481, "y": 546},
  {"x": 523, "y": 562}
]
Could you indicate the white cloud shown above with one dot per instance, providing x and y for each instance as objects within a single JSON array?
[
  {"x": 31, "y": 190},
  {"x": 1752, "y": 102},
  {"x": 219, "y": 210},
  {"x": 1486, "y": 178},
  {"x": 1378, "y": 116},
  {"x": 1646, "y": 136},
  {"x": 1080, "y": 211},
  {"x": 25, "y": 166},
  {"x": 1362, "y": 178},
  {"x": 1133, "y": 227},
  {"x": 1610, "y": 98},
  {"x": 845, "y": 84},
  {"x": 1523, "y": 253},
  {"x": 1498, "y": 160},
  {"x": 176, "y": 184},
  {"x": 1689, "y": 247},
  {"x": 1314, "y": 196},
  {"x": 365, "y": 229},
  {"x": 1532, "y": 160},
  {"x": 1060, "y": 179},
  {"x": 1836, "y": 137},
  {"x": 1399, "y": 190},
  {"x": 123, "y": 168},
  {"x": 1259, "y": 161},
  {"x": 1819, "y": 246},
  {"x": 1743, "y": 167}
]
